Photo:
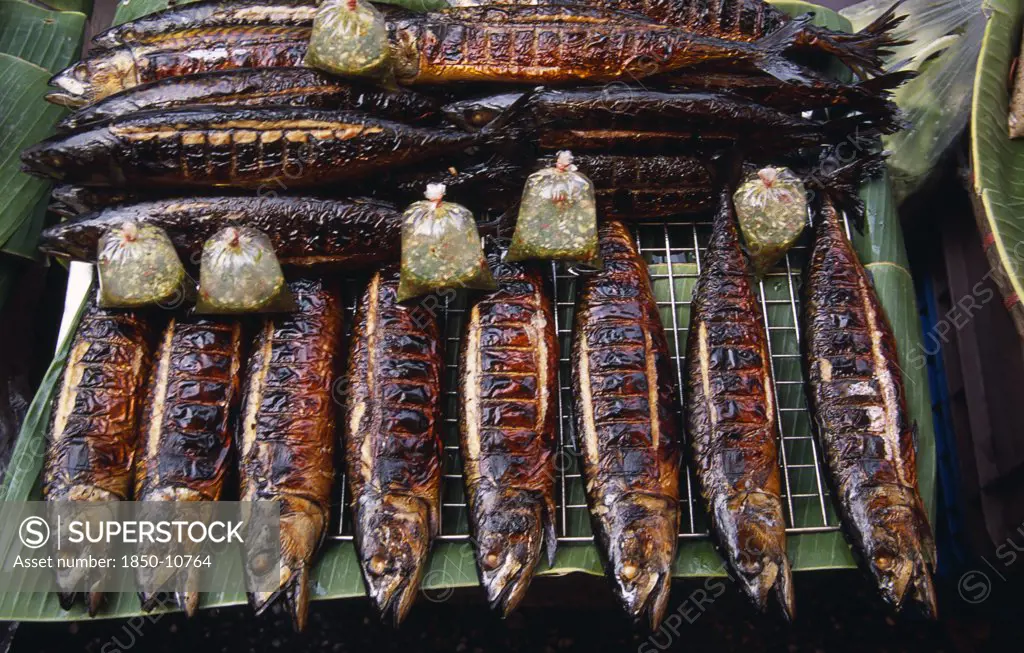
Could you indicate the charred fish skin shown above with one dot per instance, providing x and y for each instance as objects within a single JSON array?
[
  {"x": 208, "y": 14},
  {"x": 856, "y": 395},
  {"x": 105, "y": 72},
  {"x": 185, "y": 447},
  {"x": 549, "y": 43},
  {"x": 256, "y": 148},
  {"x": 393, "y": 443},
  {"x": 286, "y": 433},
  {"x": 305, "y": 231},
  {"x": 627, "y": 427},
  {"x": 301, "y": 87},
  {"x": 507, "y": 384},
  {"x": 94, "y": 421},
  {"x": 732, "y": 420}
]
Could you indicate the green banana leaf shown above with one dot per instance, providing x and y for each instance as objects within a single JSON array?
[
  {"x": 81, "y": 6},
  {"x": 999, "y": 161},
  {"x": 452, "y": 563},
  {"x": 24, "y": 119},
  {"x": 49, "y": 39}
]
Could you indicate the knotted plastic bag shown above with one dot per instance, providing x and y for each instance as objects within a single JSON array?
[
  {"x": 137, "y": 266},
  {"x": 771, "y": 205},
  {"x": 557, "y": 216},
  {"x": 440, "y": 248},
  {"x": 239, "y": 273},
  {"x": 350, "y": 38}
]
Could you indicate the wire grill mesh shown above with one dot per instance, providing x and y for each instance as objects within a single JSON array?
[{"x": 674, "y": 251}]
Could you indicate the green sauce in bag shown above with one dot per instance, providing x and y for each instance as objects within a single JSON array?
[
  {"x": 440, "y": 248},
  {"x": 137, "y": 266},
  {"x": 350, "y": 38},
  {"x": 239, "y": 273},
  {"x": 771, "y": 205}
]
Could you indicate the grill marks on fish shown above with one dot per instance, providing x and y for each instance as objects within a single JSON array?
[
  {"x": 626, "y": 422},
  {"x": 509, "y": 374},
  {"x": 186, "y": 444},
  {"x": 642, "y": 187},
  {"x": 392, "y": 442},
  {"x": 286, "y": 435},
  {"x": 94, "y": 426},
  {"x": 855, "y": 390},
  {"x": 346, "y": 234},
  {"x": 732, "y": 420},
  {"x": 244, "y": 148}
]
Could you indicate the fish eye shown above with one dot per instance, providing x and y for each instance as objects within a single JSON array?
[
  {"x": 480, "y": 117},
  {"x": 261, "y": 563}
]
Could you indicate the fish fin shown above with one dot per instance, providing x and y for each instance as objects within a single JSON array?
[
  {"x": 500, "y": 130},
  {"x": 771, "y": 58},
  {"x": 841, "y": 181},
  {"x": 885, "y": 84},
  {"x": 296, "y": 595},
  {"x": 863, "y": 52}
]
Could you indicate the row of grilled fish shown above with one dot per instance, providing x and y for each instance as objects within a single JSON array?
[
  {"x": 625, "y": 415},
  {"x": 519, "y": 41}
]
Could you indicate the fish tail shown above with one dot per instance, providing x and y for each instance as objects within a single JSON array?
[
  {"x": 503, "y": 130},
  {"x": 863, "y": 52},
  {"x": 770, "y": 56},
  {"x": 885, "y": 84}
]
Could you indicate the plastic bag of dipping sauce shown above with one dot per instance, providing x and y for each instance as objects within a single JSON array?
[
  {"x": 350, "y": 38},
  {"x": 239, "y": 273},
  {"x": 557, "y": 216},
  {"x": 137, "y": 266},
  {"x": 440, "y": 248},
  {"x": 771, "y": 205}
]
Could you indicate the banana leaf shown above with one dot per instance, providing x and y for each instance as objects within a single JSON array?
[
  {"x": 998, "y": 161},
  {"x": 81, "y": 6},
  {"x": 49, "y": 39},
  {"x": 452, "y": 563}
]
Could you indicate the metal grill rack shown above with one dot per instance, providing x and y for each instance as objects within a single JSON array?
[{"x": 674, "y": 251}]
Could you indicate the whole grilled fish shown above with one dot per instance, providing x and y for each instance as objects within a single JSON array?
[
  {"x": 627, "y": 425},
  {"x": 392, "y": 442},
  {"x": 646, "y": 186},
  {"x": 189, "y": 412},
  {"x": 286, "y": 434},
  {"x": 632, "y": 115},
  {"x": 749, "y": 20},
  {"x": 304, "y": 231},
  {"x": 855, "y": 391},
  {"x": 300, "y": 87},
  {"x": 105, "y": 72},
  {"x": 268, "y": 148},
  {"x": 564, "y": 43},
  {"x": 732, "y": 417},
  {"x": 94, "y": 426},
  {"x": 507, "y": 388},
  {"x": 195, "y": 16}
]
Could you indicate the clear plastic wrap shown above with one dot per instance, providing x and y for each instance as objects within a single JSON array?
[
  {"x": 239, "y": 273},
  {"x": 557, "y": 216},
  {"x": 137, "y": 266},
  {"x": 440, "y": 248},
  {"x": 350, "y": 38},
  {"x": 771, "y": 205}
]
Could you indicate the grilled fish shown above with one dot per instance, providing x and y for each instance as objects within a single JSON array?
[
  {"x": 646, "y": 186},
  {"x": 855, "y": 391},
  {"x": 632, "y": 115},
  {"x": 304, "y": 231},
  {"x": 507, "y": 386},
  {"x": 195, "y": 16},
  {"x": 564, "y": 43},
  {"x": 105, "y": 72},
  {"x": 267, "y": 148},
  {"x": 732, "y": 417},
  {"x": 94, "y": 426},
  {"x": 286, "y": 435},
  {"x": 79, "y": 199},
  {"x": 749, "y": 20},
  {"x": 300, "y": 87},
  {"x": 190, "y": 406},
  {"x": 392, "y": 442},
  {"x": 627, "y": 425}
]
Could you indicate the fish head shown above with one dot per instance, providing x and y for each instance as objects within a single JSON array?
[
  {"x": 510, "y": 534},
  {"x": 393, "y": 535},
  {"x": 94, "y": 78},
  {"x": 755, "y": 544},
  {"x": 89, "y": 506},
  {"x": 82, "y": 157},
  {"x": 642, "y": 533},
  {"x": 477, "y": 113},
  {"x": 405, "y": 54}
]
